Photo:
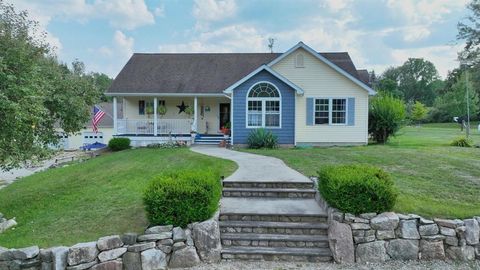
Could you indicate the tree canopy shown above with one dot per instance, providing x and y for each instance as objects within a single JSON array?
[{"x": 37, "y": 93}]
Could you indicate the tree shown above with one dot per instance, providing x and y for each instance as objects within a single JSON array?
[
  {"x": 416, "y": 80},
  {"x": 386, "y": 116},
  {"x": 36, "y": 92},
  {"x": 102, "y": 82},
  {"x": 469, "y": 31},
  {"x": 419, "y": 112},
  {"x": 454, "y": 103}
]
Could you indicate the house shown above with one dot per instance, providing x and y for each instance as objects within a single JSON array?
[
  {"x": 87, "y": 135},
  {"x": 303, "y": 96}
]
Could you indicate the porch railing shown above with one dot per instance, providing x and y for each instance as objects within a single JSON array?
[{"x": 146, "y": 126}]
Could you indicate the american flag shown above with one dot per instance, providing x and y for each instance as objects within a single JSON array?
[{"x": 98, "y": 114}]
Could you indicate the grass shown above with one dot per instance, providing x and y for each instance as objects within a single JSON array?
[
  {"x": 433, "y": 178},
  {"x": 84, "y": 201}
]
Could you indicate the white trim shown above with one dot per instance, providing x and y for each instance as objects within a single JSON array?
[
  {"x": 263, "y": 100},
  {"x": 231, "y": 120},
  {"x": 165, "y": 95},
  {"x": 330, "y": 111},
  {"x": 155, "y": 117},
  {"x": 273, "y": 72},
  {"x": 115, "y": 128},
  {"x": 326, "y": 61}
]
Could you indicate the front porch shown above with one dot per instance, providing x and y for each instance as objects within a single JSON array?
[{"x": 156, "y": 119}]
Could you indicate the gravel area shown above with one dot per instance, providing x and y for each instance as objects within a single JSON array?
[{"x": 397, "y": 265}]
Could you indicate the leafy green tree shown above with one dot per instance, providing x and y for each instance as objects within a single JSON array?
[
  {"x": 386, "y": 116},
  {"x": 469, "y": 30},
  {"x": 102, "y": 82},
  {"x": 417, "y": 79},
  {"x": 454, "y": 102},
  {"x": 419, "y": 112},
  {"x": 36, "y": 92}
]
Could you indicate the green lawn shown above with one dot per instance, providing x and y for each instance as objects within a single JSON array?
[
  {"x": 87, "y": 200},
  {"x": 433, "y": 178}
]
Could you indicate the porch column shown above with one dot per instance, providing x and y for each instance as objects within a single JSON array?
[
  {"x": 195, "y": 117},
  {"x": 155, "y": 123},
  {"x": 115, "y": 131}
]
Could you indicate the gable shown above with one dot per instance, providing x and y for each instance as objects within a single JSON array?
[
  {"x": 309, "y": 52},
  {"x": 316, "y": 75}
]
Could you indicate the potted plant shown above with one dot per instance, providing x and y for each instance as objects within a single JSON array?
[
  {"x": 162, "y": 110},
  {"x": 189, "y": 111},
  {"x": 226, "y": 130},
  {"x": 149, "y": 110}
]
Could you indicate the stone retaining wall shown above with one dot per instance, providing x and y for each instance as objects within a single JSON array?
[
  {"x": 373, "y": 237},
  {"x": 158, "y": 248}
]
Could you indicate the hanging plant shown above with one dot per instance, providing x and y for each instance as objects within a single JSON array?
[{"x": 162, "y": 110}]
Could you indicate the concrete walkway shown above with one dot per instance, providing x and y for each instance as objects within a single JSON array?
[
  {"x": 253, "y": 167},
  {"x": 258, "y": 168}
]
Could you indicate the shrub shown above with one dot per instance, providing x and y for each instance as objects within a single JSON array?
[
  {"x": 419, "y": 112},
  {"x": 168, "y": 145},
  {"x": 462, "y": 142},
  {"x": 357, "y": 188},
  {"x": 118, "y": 144},
  {"x": 385, "y": 118},
  {"x": 180, "y": 198},
  {"x": 261, "y": 138}
]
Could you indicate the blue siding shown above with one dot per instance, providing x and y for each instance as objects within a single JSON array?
[{"x": 286, "y": 133}]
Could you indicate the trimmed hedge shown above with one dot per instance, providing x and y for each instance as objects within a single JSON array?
[
  {"x": 182, "y": 197},
  {"x": 357, "y": 189},
  {"x": 118, "y": 144},
  {"x": 261, "y": 138}
]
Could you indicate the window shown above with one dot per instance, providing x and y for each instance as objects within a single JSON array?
[
  {"x": 161, "y": 102},
  {"x": 330, "y": 111},
  {"x": 263, "y": 106},
  {"x": 141, "y": 107},
  {"x": 299, "y": 61},
  {"x": 321, "y": 111},
  {"x": 339, "y": 111}
]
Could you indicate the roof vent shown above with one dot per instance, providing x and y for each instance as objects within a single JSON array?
[{"x": 299, "y": 61}]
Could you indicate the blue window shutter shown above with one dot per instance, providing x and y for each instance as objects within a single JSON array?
[
  {"x": 309, "y": 111},
  {"x": 351, "y": 112}
]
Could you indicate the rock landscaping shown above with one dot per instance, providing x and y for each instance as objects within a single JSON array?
[
  {"x": 391, "y": 236},
  {"x": 160, "y": 247},
  {"x": 6, "y": 224}
]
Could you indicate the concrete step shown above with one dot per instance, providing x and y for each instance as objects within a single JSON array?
[
  {"x": 273, "y": 240},
  {"x": 268, "y": 184},
  {"x": 278, "y": 253},
  {"x": 306, "y": 228},
  {"x": 271, "y": 209},
  {"x": 269, "y": 192}
]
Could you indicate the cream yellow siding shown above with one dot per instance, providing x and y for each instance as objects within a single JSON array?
[
  {"x": 75, "y": 141},
  {"x": 208, "y": 110},
  {"x": 319, "y": 80}
]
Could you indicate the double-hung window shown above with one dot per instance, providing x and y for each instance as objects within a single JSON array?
[
  {"x": 330, "y": 111},
  {"x": 263, "y": 106}
]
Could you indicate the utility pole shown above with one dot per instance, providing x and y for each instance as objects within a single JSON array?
[{"x": 468, "y": 103}]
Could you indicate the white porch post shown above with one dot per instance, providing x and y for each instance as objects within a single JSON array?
[
  {"x": 155, "y": 122},
  {"x": 195, "y": 117},
  {"x": 115, "y": 130}
]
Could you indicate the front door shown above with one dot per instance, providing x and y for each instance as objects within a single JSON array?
[{"x": 224, "y": 114}]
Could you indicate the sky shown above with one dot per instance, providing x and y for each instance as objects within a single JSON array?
[{"x": 376, "y": 33}]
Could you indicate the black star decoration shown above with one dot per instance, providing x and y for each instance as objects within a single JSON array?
[{"x": 182, "y": 107}]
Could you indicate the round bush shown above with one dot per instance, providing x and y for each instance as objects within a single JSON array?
[
  {"x": 261, "y": 138},
  {"x": 118, "y": 144},
  {"x": 357, "y": 189},
  {"x": 182, "y": 197}
]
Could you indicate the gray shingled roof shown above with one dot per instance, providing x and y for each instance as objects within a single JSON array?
[
  {"x": 198, "y": 73},
  {"x": 364, "y": 76}
]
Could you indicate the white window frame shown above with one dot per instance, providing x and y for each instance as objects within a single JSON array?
[
  {"x": 330, "y": 111},
  {"x": 264, "y": 107}
]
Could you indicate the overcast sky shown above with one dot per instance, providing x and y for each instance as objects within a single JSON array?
[{"x": 376, "y": 33}]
